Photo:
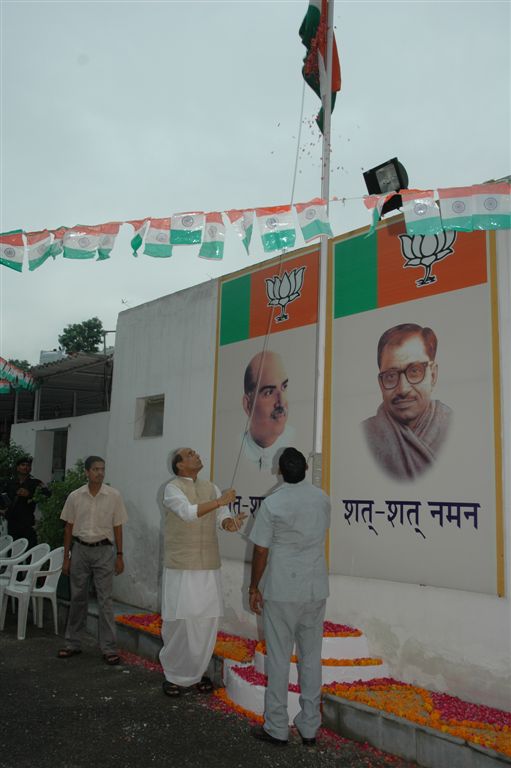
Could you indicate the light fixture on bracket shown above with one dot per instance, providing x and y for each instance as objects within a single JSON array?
[{"x": 387, "y": 177}]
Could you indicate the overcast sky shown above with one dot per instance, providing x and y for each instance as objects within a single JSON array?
[{"x": 120, "y": 110}]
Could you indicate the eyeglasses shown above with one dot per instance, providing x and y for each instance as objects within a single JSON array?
[{"x": 414, "y": 374}]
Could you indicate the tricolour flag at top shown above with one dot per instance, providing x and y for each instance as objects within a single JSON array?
[
  {"x": 5, "y": 387},
  {"x": 313, "y": 219},
  {"x": 157, "y": 239},
  {"x": 81, "y": 242},
  {"x": 277, "y": 228},
  {"x": 140, "y": 227},
  {"x": 186, "y": 228},
  {"x": 243, "y": 224},
  {"x": 12, "y": 249},
  {"x": 456, "y": 205},
  {"x": 422, "y": 215},
  {"x": 107, "y": 235},
  {"x": 213, "y": 238},
  {"x": 38, "y": 247},
  {"x": 313, "y": 33},
  {"x": 492, "y": 205}
]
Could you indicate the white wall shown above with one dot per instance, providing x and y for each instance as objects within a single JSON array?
[
  {"x": 449, "y": 640},
  {"x": 85, "y": 435}
]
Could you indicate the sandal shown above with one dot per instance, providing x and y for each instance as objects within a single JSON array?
[
  {"x": 112, "y": 659},
  {"x": 171, "y": 689},
  {"x": 204, "y": 686},
  {"x": 66, "y": 653}
]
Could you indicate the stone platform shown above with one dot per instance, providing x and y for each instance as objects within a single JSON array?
[{"x": 429, "y": 747}]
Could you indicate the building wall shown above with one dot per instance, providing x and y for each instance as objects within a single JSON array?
[
  {"x": 449, "y": 640},
  {"x": 85, "y": 435}
]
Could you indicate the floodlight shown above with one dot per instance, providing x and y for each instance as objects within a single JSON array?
[{"x": 387, "y": 177}]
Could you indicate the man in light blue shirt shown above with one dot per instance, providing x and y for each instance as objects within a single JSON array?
[{"x": 289, "y": 547}]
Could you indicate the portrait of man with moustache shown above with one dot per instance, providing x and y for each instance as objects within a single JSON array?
[
  {"x": 409, "y": 429},
  {"x": 265, "y": 402}
]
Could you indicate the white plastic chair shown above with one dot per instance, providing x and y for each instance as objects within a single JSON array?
[
  {"x": 15, "y": 548},
  {"x": 49, "y": 589},
  {"x": 26, "y": 558},
  {"x": 5, "y": 540},
  {"x": 21, "y": 589}
]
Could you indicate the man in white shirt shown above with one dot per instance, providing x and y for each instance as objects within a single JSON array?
[
  {"x": 94, "y": 516},
  {"x": 191, "y": 587}
]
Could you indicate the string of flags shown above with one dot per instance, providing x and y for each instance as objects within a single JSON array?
[
  {"x": 157, "y": 237},
  {"x": 462, "y": 209},
  {"x": 426, "y": 212},
  {"x": 11, "y": 375}
]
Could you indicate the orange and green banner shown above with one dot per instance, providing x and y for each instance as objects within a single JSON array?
[
  {"x": 390, "y": 267},
  {"x": 270, "y": 300}
]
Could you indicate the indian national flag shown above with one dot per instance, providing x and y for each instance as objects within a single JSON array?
[
  {"x": 492, "y": 206},
  {"x": 81, "y": 242},
  {"x": 107, "y": 236},
  {"x": 456, "y": 208},
  {"x": 157, "y": 239},
  {"x": 422, "y": 215},
  {"x": 57, "y": 247},
  {"x": 5, "y": 387},
  {"x": 12, "y": 249},
  {"x": 214, "y": 236},
  {"x": 140, "y": 227},
  {"x": 313, "y": 33},
  {"x": 243, "y": 223},
  {"x": 375, "y": 204},
  {"x": 38, "y": 247},
  {"x": 276, "y": 227},
  {"x": 313, "y": 219},
  {"x": 186, "y": 228}
]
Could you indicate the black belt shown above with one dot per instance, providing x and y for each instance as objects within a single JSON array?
[{"x": 102, "y": 543}]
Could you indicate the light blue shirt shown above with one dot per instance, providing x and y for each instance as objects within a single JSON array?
[{"x": 292, "y": 523}]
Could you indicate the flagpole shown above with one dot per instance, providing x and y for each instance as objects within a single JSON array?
[{"x": 317, "y": 463}]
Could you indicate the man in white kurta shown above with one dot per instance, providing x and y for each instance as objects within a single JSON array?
[{"x": 191, "y": 587}]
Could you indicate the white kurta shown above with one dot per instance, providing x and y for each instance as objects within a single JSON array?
[{"x": 191, "y": 604}]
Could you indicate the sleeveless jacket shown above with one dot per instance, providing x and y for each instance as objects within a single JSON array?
[{"x": 192, "y": 546}]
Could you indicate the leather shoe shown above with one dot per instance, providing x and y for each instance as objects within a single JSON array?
[
  {"x": 307, "y": 742},
  {"x": 259, "y": 733}
]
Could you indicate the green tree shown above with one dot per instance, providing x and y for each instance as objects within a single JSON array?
[
  {"x": 50, "y": 527},
  {"x": 82, "y": 337},
  {"x": 9, "y": 454},
  {"x": 24, "y": 365}
]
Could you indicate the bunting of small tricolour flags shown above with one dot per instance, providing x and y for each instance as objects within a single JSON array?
[
  {"x": 478, "y": 207},
  {"x": 5, "y": 387},
  {"x": 482, "y": 206},
  {"x": 15, "y": 376},
  {"x": 313, "y": 34}
]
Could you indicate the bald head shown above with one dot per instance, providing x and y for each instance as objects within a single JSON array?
[{"x": 265, "y": 397}]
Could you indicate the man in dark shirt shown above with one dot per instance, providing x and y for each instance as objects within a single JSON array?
[{"x": 20, "y": 511}]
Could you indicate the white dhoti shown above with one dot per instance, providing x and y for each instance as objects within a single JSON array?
[{"x": 191, "y": 606}]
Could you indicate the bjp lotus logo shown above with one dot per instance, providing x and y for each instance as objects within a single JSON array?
[
  {"x": 424, "y": 251},
  {"x": 281, "y": 291}
]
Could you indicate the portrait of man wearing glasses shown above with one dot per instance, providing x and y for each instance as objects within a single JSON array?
[{"x": 409, "y": 428}]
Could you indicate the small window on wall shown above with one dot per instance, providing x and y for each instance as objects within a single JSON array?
[{"x": 149, "y": 416}]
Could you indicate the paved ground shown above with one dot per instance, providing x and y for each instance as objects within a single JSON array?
[{"x": 79, "y": 713}]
